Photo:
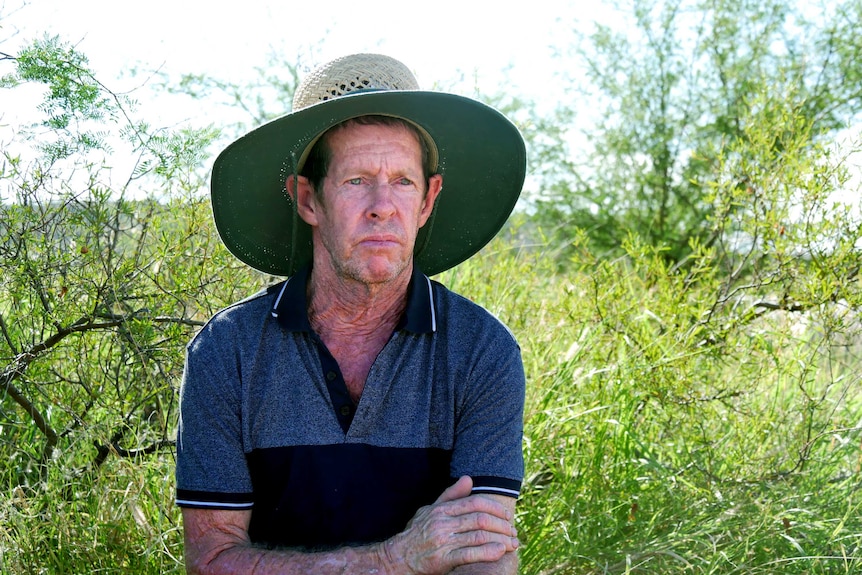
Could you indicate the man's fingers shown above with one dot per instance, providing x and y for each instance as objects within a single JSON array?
[
  {"x": 483, "y": 522},
  {"x": 474, "y": 530},
  {"x": 460, "y": 492},
  {"x": 488, "y": 552},
  {"x": 470, "y": 505},
  {"x": 484, "y": 538},
  {"x": 458, "y": 529}
]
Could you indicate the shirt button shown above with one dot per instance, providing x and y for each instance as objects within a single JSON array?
[
  {"x": 345, "y": 410},
  {"x": 330, "y": 375}
]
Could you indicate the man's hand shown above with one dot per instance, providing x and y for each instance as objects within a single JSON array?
[{"x": 457, "y": 529}]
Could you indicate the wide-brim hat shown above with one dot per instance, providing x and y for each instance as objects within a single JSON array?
[{"x": 478, "y": 151}]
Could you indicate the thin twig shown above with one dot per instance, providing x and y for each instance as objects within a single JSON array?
[{"x": 6, "y": 335}]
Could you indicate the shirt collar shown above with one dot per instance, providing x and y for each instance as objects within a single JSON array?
[
  {"x": 420, "y": 314},
  {"x": 290, "y": 307}
]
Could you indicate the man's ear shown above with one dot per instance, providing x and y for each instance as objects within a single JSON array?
[
  {"x": 435, "y": 185},
  {"x": 300, "y": 191}
]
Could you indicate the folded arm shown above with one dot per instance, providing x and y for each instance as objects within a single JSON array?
[{"x": 457, "y": 530}]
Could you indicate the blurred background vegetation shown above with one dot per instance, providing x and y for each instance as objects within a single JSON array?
[{"x": 682, "y": 274}]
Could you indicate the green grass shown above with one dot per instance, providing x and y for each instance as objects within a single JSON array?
[
  {"x": 119, "y": 521},
  {"x": 655, "y": 442}
]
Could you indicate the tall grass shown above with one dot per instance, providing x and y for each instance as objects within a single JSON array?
[
  {"x": 660, "y": 440},
  {"x": 121, "y": 520},
  {"x": 661, "y": 437}
]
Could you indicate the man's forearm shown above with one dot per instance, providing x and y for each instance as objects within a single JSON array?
[
  {"x": 217, "y": 543},
  {"x": 367, "y": 560},
  {"x": 457, "y": 529},
  {"x": 246, "y": 560}
]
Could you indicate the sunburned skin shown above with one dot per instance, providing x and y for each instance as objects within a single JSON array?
[
  {"x": 353, "y": 342},
  {"x": 364, "y": 227},
  {"x": 365, "y": 220}
]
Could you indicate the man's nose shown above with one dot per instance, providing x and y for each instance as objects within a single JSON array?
[{"x": 382, "y": 202}]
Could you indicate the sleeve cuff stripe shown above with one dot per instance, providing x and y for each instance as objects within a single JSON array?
[
  {"x": 497, "y": 490},
  {"x": 214, "y": 500},
  {"x": 213, "y": 504},
  {"x": 496, "y": 485}
]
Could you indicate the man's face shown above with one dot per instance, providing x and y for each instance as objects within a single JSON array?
[{"x": 373, "y": 202}]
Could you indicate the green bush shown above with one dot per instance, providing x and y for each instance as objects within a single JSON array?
[
  {"x": 654, "y": 447},
  {"x": 697, "y": 416}
]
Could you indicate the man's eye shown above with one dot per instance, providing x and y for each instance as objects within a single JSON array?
[
  {"x": 405, "y": 182},
  {"x": 354, "y": 181}
]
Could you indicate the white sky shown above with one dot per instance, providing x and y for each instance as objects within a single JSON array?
[
  {"x": 440, "y": 40},
  {"x": 436, "y": 39},
  {"x": 492, "y": 45}
]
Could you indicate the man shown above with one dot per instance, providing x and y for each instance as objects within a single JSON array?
[{"x": 358, "y": 417}]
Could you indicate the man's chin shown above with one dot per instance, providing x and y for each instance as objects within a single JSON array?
[{"x": 380, "y": 272}]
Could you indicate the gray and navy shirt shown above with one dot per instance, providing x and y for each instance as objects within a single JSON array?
[{"x": 267, "y": 424}]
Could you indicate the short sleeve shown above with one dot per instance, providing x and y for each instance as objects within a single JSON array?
[
  {"x": 489, "y": 425},
  {"x": 212, "y": 470}
]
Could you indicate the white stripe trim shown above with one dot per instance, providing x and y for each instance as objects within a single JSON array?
[
  {"x": 500, "y": 490},
  {"x": 431, "y": 302},
  {"x": 278, "y": 299},
  {"x": 192, "y": 503}
]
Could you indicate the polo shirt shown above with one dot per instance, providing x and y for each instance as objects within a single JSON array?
[{"x": 267, "y": 425}]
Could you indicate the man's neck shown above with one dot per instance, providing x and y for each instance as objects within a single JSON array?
[
  {"x": 355, "y": 321},
  {"x": 339, "y": 306}
]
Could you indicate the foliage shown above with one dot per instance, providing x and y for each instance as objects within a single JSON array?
[
  {"x": 655, "y": 447},
  {"x": 253, "y": 103},
  {"x": 100, "y": 290},
  {"x": 688, "y": 415},
  {"x": 663, "y": 89},
  {"x": 73, "y": 101},
  {"x": 703, "y": 416}
]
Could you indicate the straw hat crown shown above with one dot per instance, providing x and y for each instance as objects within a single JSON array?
[{"x": 351, "y": 73}]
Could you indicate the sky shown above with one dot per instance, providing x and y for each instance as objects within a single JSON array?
[
  {"x": 509, "y": 48},
  {"x": 444, "y": 42},
  {"x": 438, "y": 40}
]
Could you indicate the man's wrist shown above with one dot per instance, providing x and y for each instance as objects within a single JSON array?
[
  {"x": 391, "y": 561},
  {"x": 368, "y": 559}
]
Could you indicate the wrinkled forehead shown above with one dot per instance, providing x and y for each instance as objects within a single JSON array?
[
  {"x": 348, "y": 128},
  {"x": 344, "y": 132},
  {"x": 371, "y": 147},
  {"x": 430, "y": 155}
]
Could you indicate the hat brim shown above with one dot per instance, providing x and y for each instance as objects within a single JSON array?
[{"x": 481, "y": 156}]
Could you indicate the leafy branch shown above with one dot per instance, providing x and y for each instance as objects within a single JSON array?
[{"x": 17, "y": 367}]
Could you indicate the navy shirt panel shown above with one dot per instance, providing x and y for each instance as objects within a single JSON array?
[{"x": 300, "y": 499}]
